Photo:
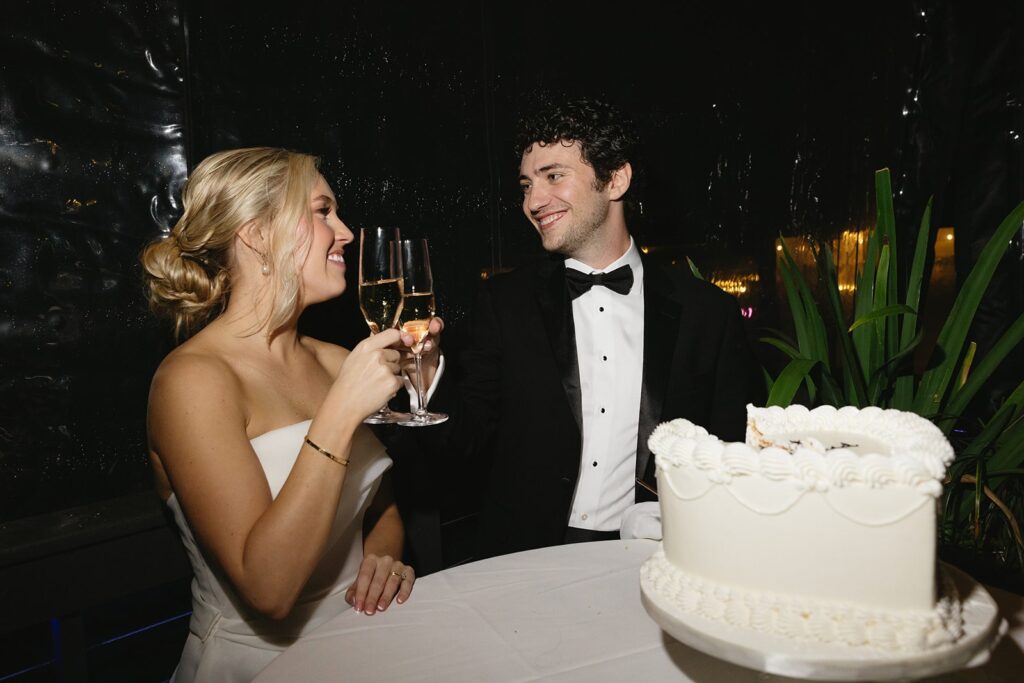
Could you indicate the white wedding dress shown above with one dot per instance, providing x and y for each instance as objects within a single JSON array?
[{"x": 227, "y": 641}]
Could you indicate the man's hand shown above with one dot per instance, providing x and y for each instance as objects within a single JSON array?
[{"x": 430, "y": 354}]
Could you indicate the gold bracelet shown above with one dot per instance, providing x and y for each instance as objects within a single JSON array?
[{"x": 341, "y": 461}]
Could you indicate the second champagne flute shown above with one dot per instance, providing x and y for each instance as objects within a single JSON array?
[
  {"x": 417, "y": 310},
  {"x": 380, "y": 293}
]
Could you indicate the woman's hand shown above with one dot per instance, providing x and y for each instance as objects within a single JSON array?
[
  {"x": 370, "y": 377},
  {"x": 380, "y": 580}
]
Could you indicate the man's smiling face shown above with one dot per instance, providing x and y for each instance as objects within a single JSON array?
[{"x": 561, "y": 197}]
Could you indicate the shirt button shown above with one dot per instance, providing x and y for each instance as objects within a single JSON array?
[
  {"x": 601, "y": 309},
  {"x": 595, "y": 463},
  {"x": 602, "y": 410},
  {"x": 583, "y": 516},
  {"x": 604, "y": 357}
]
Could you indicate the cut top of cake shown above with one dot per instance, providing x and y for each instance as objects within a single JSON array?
[{"x": 817, "y": 449}]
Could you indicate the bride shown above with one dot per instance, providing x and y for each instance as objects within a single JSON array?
[{"x": 255, "y": 431}]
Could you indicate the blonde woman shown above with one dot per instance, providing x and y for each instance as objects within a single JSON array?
[{"x": 255, "y": 431}]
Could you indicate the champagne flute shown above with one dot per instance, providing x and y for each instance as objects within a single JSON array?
[
  {"x": 380, "y": 293},
  {"x": 417, "y": 310}
]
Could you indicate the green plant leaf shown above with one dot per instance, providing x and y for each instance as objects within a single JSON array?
[
  {"x": 864, "y": 300},
  {"x": 883, "y": 312},
  {"x": 903, "y": 394},
  {"x": 802, "y": 317},
  {"x": 881, "y": 302},
  {"x": 780, "y": 335},
  {"x": 792, "y": 352},
  {"x": 1009, "y": 419},
  {"x": 887, "y": 226},
  {"x": 796, "y": 308},
  {"x": 1006, "y": 418},
  {"x": 981, "y": 444},
  {"x": 853, "y": 374},
  {"x": 800, "y": 322},
  {"x": 884, "y": 213},
  {"x": 814, "y": 326},
  {"x": 965, "y": 367},
  {"x": 998, "y": 447},
  {"x": 781, "y": 345},
  {"x": 935, "y": 381},
  {"x": 693, "y": 269},
  {"x": 828, "y": 389},
  {"x": 979, "y": 495},
  {"x": 882, "y": 379},
  {"x": 1018, "y": 471},
  {"x": 962, "y": 396},
  {"x": 788, "y": 381},
  {"x": 1010, "y": 450}
]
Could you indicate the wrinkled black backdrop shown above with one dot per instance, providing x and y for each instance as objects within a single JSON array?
[{"x": 758, "y": 117}]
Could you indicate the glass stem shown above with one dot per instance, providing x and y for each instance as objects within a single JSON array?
[
  {"x": 421, "y": 409},
  {"x": 384, "y": 411}
]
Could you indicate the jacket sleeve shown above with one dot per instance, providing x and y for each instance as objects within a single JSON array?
[{"x": 470, "y": 390}]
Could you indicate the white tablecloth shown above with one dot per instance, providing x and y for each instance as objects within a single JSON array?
[{"x": 567, "y": 613}]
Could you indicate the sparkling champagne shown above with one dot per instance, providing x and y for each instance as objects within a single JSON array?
[
  {"x": 417, "y": 310},
  {"x": 381, "y": 303}
]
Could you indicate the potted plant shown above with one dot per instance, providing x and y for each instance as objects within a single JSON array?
[{"x": 867, "y": 361}]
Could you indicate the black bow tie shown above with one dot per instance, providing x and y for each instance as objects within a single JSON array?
[{"x": 619, "y": 280}]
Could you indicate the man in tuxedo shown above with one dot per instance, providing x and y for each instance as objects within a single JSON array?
[{"x": 574, "y": 359}]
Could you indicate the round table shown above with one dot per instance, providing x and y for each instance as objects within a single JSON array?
[{"x": 565, "y": 613}]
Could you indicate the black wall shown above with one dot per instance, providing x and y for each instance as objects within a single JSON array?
[
  {"x": 92, "y": 120},
  {"x": 759, "y": 118}
]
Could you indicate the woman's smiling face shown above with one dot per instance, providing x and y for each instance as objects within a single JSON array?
[{"x": 321, "y": 264}]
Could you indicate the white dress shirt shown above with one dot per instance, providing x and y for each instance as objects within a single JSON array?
[{"x": 609, "y": 348}]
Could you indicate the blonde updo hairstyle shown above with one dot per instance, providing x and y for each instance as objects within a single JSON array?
[{"x": 188, "y": 272}]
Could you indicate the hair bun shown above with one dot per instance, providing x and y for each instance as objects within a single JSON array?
[
  {"x": 188, "y": 272},
  {"x": 182, "y": 287}
]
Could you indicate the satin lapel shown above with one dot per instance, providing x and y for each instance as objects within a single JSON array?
[
  {"x": 662, "y": 312},
  {"x": 556, "y": 310}
]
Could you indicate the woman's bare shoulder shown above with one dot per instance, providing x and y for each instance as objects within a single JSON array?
[
  {"x": 195, "y": 378},
  {"x": 196, "y": 407},
  {"x": 195, "y": 365}
]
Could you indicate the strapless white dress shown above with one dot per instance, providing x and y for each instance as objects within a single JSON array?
[{"x": 227, "y": 641}]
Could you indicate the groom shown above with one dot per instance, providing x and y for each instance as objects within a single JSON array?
[{"x": 574, "y": 359}]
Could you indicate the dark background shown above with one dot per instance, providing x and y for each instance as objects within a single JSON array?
[{"x": 758, "y": 119}]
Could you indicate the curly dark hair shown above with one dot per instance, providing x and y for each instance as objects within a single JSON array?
[{"x": 606, "y": 135}]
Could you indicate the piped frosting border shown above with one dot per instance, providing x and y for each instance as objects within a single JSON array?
[
  {"x": 919, "y": 456},
  {"x": 805, "y": 619}
]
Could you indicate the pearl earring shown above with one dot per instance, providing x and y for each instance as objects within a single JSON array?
[{"x": 265, "y": 268}]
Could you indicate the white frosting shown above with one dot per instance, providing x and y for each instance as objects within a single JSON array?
[
  {"x": 778, "y": 449},
  {"x": 802, "y": 618},
  {"x": 786, "y": 533}
]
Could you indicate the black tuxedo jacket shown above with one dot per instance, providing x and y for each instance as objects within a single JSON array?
[{"x": 516, "y": 413}]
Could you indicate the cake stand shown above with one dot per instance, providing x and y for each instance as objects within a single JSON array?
[{"x": 829, "y": 662}]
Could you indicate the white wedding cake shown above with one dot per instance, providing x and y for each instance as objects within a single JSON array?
[{"x": 821, "y": 527}]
